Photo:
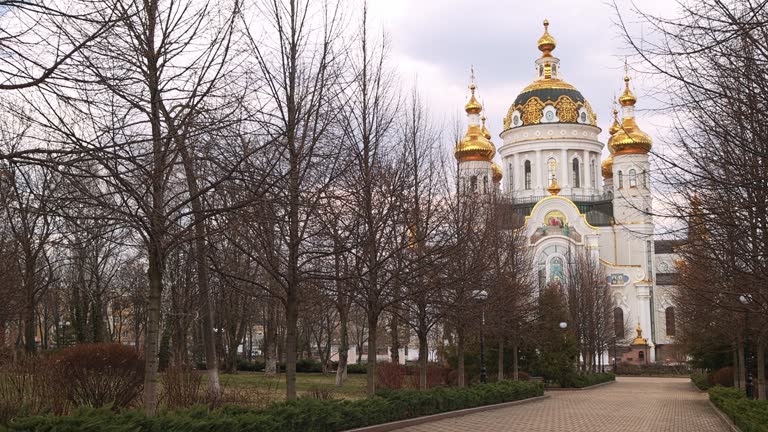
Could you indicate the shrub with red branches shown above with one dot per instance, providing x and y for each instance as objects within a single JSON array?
[{"x": 97, "y": 375}]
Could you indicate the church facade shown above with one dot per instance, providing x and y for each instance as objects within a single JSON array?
[{"x": 551, "y": 173}]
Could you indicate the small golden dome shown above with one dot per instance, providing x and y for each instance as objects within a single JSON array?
[
  {"x": 474, "y": 146},
  {"x": 629, "y": 139},
  {"x": 497, "y": 175},
  {"x": 607, "y": 167},
  {"x": 639, "y": 340},
  {"x": 627, "y": 98},
  {"x": 554, "y": 188},
  {"x": 546, "y": 42},
  {"x": 473, "y": 106},
  {"x": 615, "y": 127},
  {"x": 486, "y": 132}
]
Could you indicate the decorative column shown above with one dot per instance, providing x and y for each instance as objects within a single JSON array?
[
  {"x": 540, "y": 186},
  {"x": 644, "y": 302},
  {"x": 587, "y": 173},
  {"x": 564, "y": 180}
]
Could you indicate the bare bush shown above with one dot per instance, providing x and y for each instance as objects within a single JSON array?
[{"x": 97, "y": 375}]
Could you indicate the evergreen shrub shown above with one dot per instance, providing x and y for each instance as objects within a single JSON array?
[
  {"x": 586, "y": 380},
  {"x": 302, "y": 415},
  {"x": 748, "y": 415}
]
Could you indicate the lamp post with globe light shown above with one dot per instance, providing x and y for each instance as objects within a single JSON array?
[
  {"x": 482, "y": 296},
  {"x": 746, "y": 301}
]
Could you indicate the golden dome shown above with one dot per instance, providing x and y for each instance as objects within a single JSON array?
[
  {"x": 629, "y": 139},
  {"x": 627, "y": 98},
  {"x": 496, "y": 172},
  {"x": 486, "y": 133},
  {"x": 615, "y": 127},
  {"x": 473, "y": 106},
  {"x": 554, "y": 188},
  {"x": 639, "y": 340},
  {"x": 474, "y": 146},
  {"x": 607, "y": 167},
  {"x": 546, "y": 42}
]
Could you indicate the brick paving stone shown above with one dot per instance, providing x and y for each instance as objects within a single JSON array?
[{"x": 631, "y": 404}]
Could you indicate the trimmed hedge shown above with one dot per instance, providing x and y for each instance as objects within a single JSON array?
[
  {"x": 700, "y": 380},
  {"x": 748, "y": 415},
  {"x": 303, "y": 415},
  {"x": 581, "y": 381}
]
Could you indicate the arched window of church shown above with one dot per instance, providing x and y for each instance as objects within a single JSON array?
[
  {"x": 593, "y": 173},
  {"x": 575, "y": 170},
  {"x": 669, "y": 314},
  {"x": 473, "y": 182},
  {"x": 632, "y": 178},
  {"x": 621, "y": 179},
  {"x": 644, "y": 179},
  {"x": 485, "y": 184},
  {"x": 527, "y": 174},
  {"x": 510, "y": 177},
  {"x": 556, "y": 270},
  {"x": 618, "y": 322}
]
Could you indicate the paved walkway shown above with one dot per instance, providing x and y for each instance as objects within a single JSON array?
[{"x": 631, "y": 404}]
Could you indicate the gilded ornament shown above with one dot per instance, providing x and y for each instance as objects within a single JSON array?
[
  {"x": 567, "y": 110},
  {"x": 532, "y": 111}
]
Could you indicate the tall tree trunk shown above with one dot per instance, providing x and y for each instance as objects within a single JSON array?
[
  {"x": 341, "y": 370},
  {"x": 270, "y": 339},
  {"x": 460, "y": 353},
  {"x": 152, "y": 338},
  {"x": 736, "y": 367},
  {"x": 423, "y": 359},
  {"x": 394, "y": 329},
  {"x": 200, "y": 250},
  {"x": 501, "y": 360},
  {"x": 742, "y": 370},
  {"x": 373, "y": 324},
  {"x": 761, "y": 390},
  {"x": 291, "y": 343},
  {"x": 515, "y": 362},
  {"x": 30, "y": 345}
]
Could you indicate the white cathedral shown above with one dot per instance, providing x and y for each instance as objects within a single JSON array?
[{"x": 553, "y": 176}]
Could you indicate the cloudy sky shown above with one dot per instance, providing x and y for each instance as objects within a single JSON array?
[{"x": 436, "y": 41}]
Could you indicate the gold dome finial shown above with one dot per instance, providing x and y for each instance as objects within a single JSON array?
[
  {"x": 627, "y": 98},
  {"x": 546, "y": 42},
  {"x": 473, "y": 106}
]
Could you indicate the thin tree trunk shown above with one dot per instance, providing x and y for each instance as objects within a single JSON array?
[
  {"x": 341, "y": 370},
  {"x": 761, "y": 390},
  {"x": 742, "y": 370},
  {"x": 152, "y": 338},
  {"x": 204, "y": 292},
  {"x": 515, "y": 364},
  {"x": 460, "y": 353},
  {"x": 373, "y": 324},
  {"x": 394, "y": 332},
  {"x": 423, "y": 359},
  {"x": 291, "y": 344},
  {"x": 501, "y": 360},
  {"x": 736, "y": 368}
]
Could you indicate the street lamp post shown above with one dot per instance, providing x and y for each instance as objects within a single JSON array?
[
  {"x": 746, "y": 300},
  {"x": 482, "y": 295}
]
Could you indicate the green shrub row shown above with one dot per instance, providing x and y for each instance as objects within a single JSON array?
[
  {"x": 748, "y": 415},
  {"x": 700, "y": 380},
  {"x": 586, "y": 380},
  {"x": 303, "y": 415}
]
